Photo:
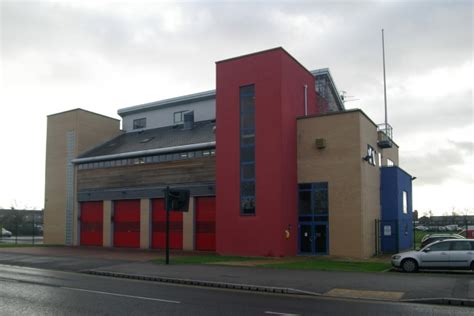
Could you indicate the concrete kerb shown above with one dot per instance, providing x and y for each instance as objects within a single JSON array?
[
  {"x": 270, "y": 289},
  {"x": 442, "y": 301},
  {"x": 214, "y": 284}
]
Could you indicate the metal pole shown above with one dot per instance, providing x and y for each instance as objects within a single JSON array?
[
  {"x": 33, "y": 228},
  {"x": 167, "y": 206},
  {"x": 384, "y": 81}
]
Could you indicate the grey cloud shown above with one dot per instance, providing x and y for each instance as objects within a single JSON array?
[
  {"x": 438, "y": 166},
  {"x": 464, "y": 147}
]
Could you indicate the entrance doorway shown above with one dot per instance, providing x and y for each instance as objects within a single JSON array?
[{"x": 313, "y": 238}]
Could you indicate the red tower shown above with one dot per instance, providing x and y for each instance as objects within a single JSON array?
[{"x": 278, "y": 85}]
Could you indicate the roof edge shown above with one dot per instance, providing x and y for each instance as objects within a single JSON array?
[
  {"x": 266, "y": 51},
  {"x": 341, "y": 113},
  {"x": 199, "y": 96},
  {"x": 87, "y": 111},
  {"x": 145, "y": 152}
]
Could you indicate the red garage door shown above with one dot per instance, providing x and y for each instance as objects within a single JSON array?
[
  {"x": 92, "y": 218},
  {"x": 159, "y": 226},
  {"x": 206, "y": 223},
  {"x": 127, "y": 223}
]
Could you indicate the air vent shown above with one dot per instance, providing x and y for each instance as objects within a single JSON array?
[{"x": 320, "y": 143}]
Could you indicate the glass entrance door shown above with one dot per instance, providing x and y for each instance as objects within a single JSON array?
[
  {"x": 306, "y": 238},
  {"x": 321, "y": 241},
  {"x": 313, "y": 238}
]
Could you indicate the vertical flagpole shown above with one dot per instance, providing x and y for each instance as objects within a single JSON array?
[{"x": 384, "y": 81}]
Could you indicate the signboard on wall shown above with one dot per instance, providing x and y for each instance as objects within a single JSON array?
[{"x": 387, "y": 230}]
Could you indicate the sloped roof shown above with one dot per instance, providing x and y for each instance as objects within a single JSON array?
[{"x": 157, "y": 138}]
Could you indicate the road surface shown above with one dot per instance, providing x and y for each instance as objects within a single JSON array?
[{"x": 27, "y": 291}]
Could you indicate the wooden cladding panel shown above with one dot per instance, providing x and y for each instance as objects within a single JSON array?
[{"x": 182, "y": 171}]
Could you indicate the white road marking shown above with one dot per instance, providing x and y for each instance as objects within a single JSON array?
[
  {"x": 122, "y": 295},
  {"x": 282, "y": 314}
]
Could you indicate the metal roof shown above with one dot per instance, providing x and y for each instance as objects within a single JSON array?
[
  {"x": 153, "y": 139},
  {"x": 189, "y": 98},
  {"x": 211, "y": 94}
]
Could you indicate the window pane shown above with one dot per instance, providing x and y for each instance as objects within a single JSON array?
[
  {"x": 405, "y": 202},
  {"x": 247, "y": 90},
  {"x": 248, "y": 171},
  {"x": 247, "y": 105},
  {"x": 304, "y": 186},
  {"x": 248, "y": 139},
  {"x": 247, "y": 154},
  {"x": 139, "y": 123},
  {"x": 442, "y": 246},
  {"x": 321, "y": 201},
  {"x": 460, "y": 245},
  {"x": 247, "y": 120},
  {"x": 304, "y": 204},
  {"x": 178, "y": 117},
  {"x": 247, "y": 188},
  {"x": 247, "y": 205}
]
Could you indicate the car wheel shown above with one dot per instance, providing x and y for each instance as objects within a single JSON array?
[
  {"x": 472, "y": 266},
  {"x": 409, "y": 265}
]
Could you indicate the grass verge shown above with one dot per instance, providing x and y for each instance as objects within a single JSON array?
[
  {"x": 330, "y": 265},
  {"x": 206, "y": 259}
]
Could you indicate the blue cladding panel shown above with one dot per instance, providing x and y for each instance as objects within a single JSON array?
[{"x": 394, "y": 181}]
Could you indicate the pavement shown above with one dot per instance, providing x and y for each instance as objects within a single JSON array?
[{"x": 455, "y": 288}]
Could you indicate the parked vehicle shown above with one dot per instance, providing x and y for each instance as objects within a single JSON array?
[
  {"x": 452, "y": 228},
  {"x": 422, "y": 228},
  {"x": 467, "y": 233},
  {"x": 428, "y": 239},
  {"x": 445, "y": 254},
  {"x": 6, "y": 233}
]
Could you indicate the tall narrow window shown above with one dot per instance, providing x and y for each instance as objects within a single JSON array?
[
  {"x": 405, "y": 202},
  {"x": 247, "y": 150}
]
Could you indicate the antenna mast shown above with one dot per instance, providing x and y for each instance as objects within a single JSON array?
[{"x": 384, "y": 81}]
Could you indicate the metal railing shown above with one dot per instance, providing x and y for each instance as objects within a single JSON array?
[{"x": 21, "y": 227}]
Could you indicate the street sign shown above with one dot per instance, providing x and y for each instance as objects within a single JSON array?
[
  {"x": 175, "y": 200},
  {"x": 178, "y": 200}
]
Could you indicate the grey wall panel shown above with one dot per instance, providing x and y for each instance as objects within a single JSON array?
[{"x": 203, "y": 110}]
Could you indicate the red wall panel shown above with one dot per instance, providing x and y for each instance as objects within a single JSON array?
[
  {"x": 127, "y": 223},
  {"x": 279, "y": 98},
  {"x": 205, "y": 232},
  {"x": 92, "y": 218},
  {"x": 159, "y": 226}
]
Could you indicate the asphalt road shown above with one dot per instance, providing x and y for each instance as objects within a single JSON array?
[{"x": 27, "y": 291}]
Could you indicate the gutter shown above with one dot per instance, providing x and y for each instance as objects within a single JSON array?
[{"x": 145, "y": 152}]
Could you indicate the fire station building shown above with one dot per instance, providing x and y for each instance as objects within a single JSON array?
[{"x": 275, "y": 165}]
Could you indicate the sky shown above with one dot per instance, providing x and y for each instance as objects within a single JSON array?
[{"x": 105, "y": 55}]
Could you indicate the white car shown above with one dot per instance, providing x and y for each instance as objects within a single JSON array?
[
  {"x": 422, "y": 228},
  {"x": 444, "y": 254},
  {"x": 6, "y": 233}
]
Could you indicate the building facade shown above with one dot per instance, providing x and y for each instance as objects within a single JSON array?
[{"x": 274, "y": 163}]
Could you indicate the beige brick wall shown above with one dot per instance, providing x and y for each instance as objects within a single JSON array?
[
  {"x": 354, "y": 184},
  {"x": 339, "y": 165},
  {"x": 145, "y": 223},
  {"x": 188, "y": 226},
  {"x": 90, "y": 130},
  {"x": 107, "y": 234}
]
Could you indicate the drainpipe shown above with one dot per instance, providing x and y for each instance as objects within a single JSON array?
[{"x": 305, "y": 100}]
